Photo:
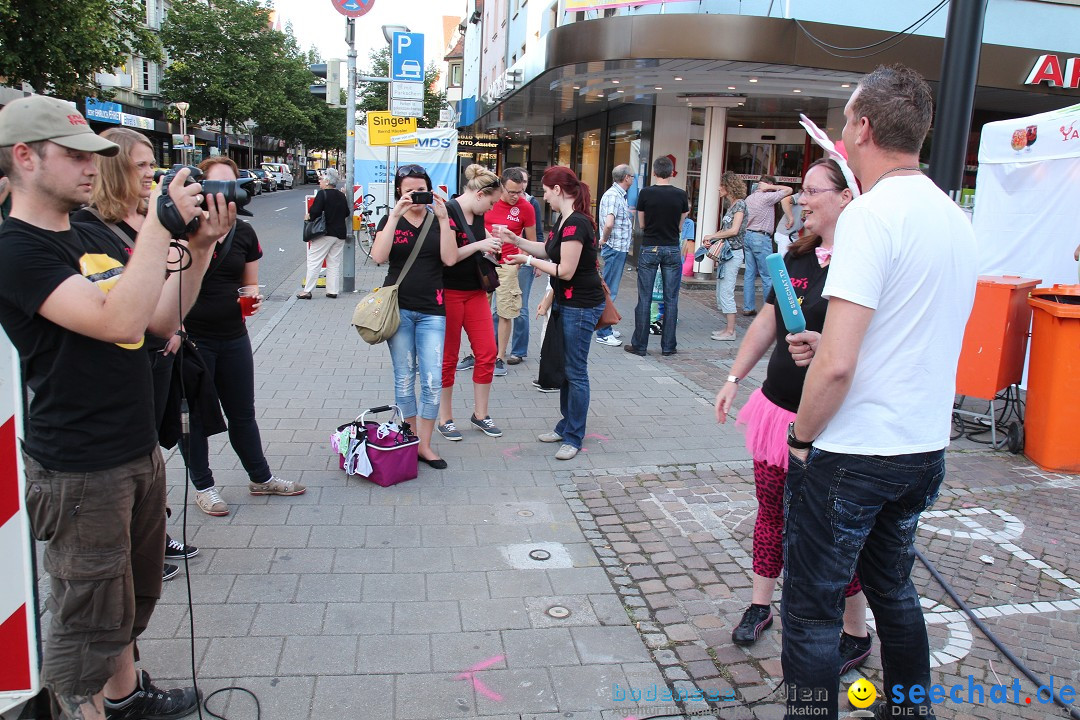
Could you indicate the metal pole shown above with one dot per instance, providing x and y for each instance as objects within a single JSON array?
[
  {"x": 956, "y": 93},
  {"x": 389, "y": 94},
  {"x": 183, "y": 138},
  {"x": 349, "y": 264}
]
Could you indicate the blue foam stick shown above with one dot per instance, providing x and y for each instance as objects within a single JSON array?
[{"x": 790, "y": 310}]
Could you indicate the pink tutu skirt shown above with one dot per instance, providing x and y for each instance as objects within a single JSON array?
[{"x": 766, "y": 429}]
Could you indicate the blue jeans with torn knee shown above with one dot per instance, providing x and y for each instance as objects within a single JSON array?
[
  {"x": 417, "y": 346},
  {"x": 844, "y": 513}
]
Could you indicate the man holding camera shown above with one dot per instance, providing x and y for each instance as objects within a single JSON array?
[{"x": 76, "y": 306}]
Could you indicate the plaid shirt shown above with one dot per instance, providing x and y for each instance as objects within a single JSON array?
[
  {"x": 759, "y": 206},
  {"x": 614, "y": 203}
]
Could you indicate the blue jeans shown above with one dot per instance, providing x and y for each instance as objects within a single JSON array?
[
  {"x": 756, "y": 247},
  {"x": 668, "y": 260},
  {"x": 578, "y": 325},
  {"x": 844, "y": 513},
  {"x": 519, "y": 341},
  {"x": 418, "y": 345},
  {"x": 614, "y": 264},
  {"x": 233, "y": 369}
]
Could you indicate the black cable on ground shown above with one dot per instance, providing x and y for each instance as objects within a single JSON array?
[{"x": 1055, "y": 695}]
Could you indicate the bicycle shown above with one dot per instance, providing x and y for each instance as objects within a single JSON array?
[{"x": 367, "y": 209}]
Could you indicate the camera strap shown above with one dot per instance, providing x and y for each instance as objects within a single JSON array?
[{"x": 222, "y": 251}]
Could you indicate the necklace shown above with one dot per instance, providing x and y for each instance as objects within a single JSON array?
[{"x": 895, "y": 169}]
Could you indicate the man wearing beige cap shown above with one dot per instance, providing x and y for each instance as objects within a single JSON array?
[{"x": 76, "y": 305}]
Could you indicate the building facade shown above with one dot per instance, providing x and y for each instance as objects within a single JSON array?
[{"x": 720, "y": 84}]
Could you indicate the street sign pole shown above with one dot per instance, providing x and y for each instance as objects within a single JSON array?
[{"x": 349, "y": 264}]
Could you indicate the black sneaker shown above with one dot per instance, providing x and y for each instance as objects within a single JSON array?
[
  {"x": 853, "y": 651},
  {"x": 754, "y": 620},
  {"x": 176, "y": 550},
  {"x": 151, "y": 703},
  {"x": 466, "y": 362},
  {"x": 543, "y": 389},
  {"x": 168, "y": 572},
  {"x": 486, "y": 426},
  {"x": 656, "y": 328}
]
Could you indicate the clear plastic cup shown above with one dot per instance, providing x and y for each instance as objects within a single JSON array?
[{"x": 248, "y": 296}]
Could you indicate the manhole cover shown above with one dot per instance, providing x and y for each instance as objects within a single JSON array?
[
  {"x": 558, "y": 612},
  {"x": 525, "y": 513},
  {"x": 540, "y": 555}
]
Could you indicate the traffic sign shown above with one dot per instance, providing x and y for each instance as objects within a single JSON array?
[
  {"x": 353, "y": 8},
  {"x": 382, "y": 127},
  {"x": 406, "y": 108},
  {"x": 407, "y": 90},
  {"x": 408, "y": 57}
]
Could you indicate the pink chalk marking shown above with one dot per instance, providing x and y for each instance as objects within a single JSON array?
[
  {"x": 511, "y": 453},
  {"x": 597, "y": 436},
  {"x": 480, "y": 687}
]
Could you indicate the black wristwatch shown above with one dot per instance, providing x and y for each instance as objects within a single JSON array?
[{"x": 795, "y": 443}]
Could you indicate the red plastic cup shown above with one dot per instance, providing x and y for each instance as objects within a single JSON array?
[{"x": 248, "y": 296}]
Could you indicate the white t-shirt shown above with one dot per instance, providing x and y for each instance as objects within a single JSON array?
[{"x": 908, "y": 252}]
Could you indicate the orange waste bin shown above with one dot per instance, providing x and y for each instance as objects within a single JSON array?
[
  {"x": 1052, "y": 415},
  {"x": 995, "y": 340}
]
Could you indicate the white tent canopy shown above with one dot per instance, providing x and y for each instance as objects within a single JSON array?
[{"x": 1027, "y": 204}]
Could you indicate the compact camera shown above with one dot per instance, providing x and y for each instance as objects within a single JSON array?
[{"x": 421, "y": 197}]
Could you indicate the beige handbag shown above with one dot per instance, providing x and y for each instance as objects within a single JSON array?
[{"x": 377, "y": 316}]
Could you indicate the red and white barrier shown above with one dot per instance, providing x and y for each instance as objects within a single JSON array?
[{"x": 18, "y": 621}]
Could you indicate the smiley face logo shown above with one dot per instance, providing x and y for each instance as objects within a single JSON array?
[{"x": 862, "y": 693}]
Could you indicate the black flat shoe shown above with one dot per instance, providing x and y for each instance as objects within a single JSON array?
[
  {"x": 304, "y": 295},
  {"x": 437, "y": 463}
]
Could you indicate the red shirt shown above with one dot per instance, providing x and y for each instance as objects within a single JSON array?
[{"x": 517, "y": 217}]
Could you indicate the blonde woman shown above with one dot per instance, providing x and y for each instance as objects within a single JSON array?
[{"x": 732, "y": 229}]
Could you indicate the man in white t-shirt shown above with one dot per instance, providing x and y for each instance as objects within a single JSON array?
[{"x": 868, "y": 444}]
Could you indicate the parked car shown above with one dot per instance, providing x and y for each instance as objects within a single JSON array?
[
  {"x": 311, "y": 176},
  {"x": 266, "y": 179},
  {"x": 282, "y": 174},
  {"x": 255, "y": 187}
]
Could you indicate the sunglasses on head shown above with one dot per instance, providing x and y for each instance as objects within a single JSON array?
[{"x": 410, "y": 171}]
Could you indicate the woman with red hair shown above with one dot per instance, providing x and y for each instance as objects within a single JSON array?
[{"x": 570, "y": 257}]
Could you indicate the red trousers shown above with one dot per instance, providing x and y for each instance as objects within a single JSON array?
[{"x": 471, "y": 310}]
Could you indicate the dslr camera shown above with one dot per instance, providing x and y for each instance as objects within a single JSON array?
[{"x": 235, "y": 191}]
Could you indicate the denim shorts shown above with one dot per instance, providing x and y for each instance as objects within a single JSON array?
[{"x": 104, "y": 535}]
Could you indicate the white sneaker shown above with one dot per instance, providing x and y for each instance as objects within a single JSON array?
[
  {"x": 610, "y": 341},
  {"x": 210, "y": 502},
  {"x": 566, "y": 452}
]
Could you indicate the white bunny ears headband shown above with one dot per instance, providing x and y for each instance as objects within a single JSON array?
[{"x": 818, "y": 135}]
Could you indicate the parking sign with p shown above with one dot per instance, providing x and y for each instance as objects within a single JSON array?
[{"x": 408, "y": 57}]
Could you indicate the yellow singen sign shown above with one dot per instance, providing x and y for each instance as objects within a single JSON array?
[{"x": 382, "y": 127}]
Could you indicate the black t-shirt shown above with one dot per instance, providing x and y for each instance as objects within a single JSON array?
[
  {"x": 784, "y": 379},
  {"x": 153, "y": 342},
  {"x": 216, "y": 314},
  {"x": 422, "y": 290},
  {"x": 333, "y": 203},
  {"x": 463, "y": 275},
  {"x": 583, "y": 289},
  {"x": 663, "y": 206},
  {"x": 93, "y": 404}
]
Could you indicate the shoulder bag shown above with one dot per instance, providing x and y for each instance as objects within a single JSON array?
[
  {"x": 377, "y": 316},
  {"x": 485, "y": 269},
  {"x": 317, "y": 227}
]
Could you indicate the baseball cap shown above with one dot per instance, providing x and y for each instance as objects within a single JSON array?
[{"x": 37, "y": 118}]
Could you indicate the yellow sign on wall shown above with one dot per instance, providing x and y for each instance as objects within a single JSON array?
[
  {"x": 382, "y": 128},
  {"x": 578, "y": 5}
]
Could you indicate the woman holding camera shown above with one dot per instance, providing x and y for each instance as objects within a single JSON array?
[
  {"x": 118, "y": 202},
  {"x": 332, "y": 204},
  {"x": 570, "y": 257},
  {"x": 467, "y": 303},
  {"x": 418, "y": 342},
  {"x": 217, "y": 326},
  {"x": 732, "y": 229}
]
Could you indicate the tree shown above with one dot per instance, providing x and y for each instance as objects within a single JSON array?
[
  {"x": 217, "y": 58},
  {"x": 58, "y": 47},
  {"x": 373, "y": 96}
]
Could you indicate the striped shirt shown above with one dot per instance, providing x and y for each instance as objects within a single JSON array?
[
  {"x": 614, "y": 203},
  {"x": 759, "y": 206}
]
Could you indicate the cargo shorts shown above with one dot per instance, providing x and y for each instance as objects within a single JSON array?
[
  {"x": 104, "y": 535},
  {"x": 508, "y": 294}
]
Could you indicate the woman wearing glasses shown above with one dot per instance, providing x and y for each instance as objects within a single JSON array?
[
  {"x": 771, "y": 408},
  {"x": 570, "y": 257},
  {"x": 467, "y": 304},
  {"x": 732, "y": 229},
  {"x": 418, "y": 343}
]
